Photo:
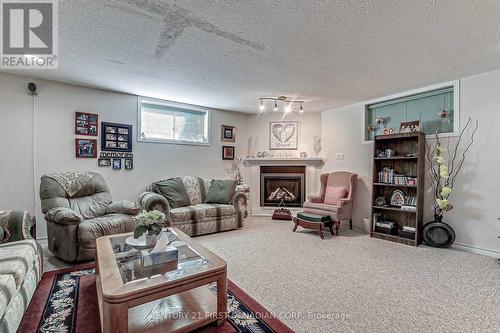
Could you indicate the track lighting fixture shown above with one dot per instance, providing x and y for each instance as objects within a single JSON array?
[{"x": 288, "y": 108}]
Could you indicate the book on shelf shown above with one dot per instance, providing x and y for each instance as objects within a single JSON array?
[
  {"x": 408, "y": 228},
  {"x": 409, "y": 208}
]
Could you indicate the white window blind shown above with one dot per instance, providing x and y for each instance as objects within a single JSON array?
[{"x": 172, "y": 123}]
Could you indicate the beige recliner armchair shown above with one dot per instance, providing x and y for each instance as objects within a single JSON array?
[{"x": 78, "y": 210}]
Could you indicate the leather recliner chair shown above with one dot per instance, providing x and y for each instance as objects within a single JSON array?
[{"x": 75, "y": 221}]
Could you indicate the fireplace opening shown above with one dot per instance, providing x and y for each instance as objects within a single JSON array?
[{"x": 282, "y": 183}]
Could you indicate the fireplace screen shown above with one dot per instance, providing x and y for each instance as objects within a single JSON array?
[{"x": 277, "y": 187}]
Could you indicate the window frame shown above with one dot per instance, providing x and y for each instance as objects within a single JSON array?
[
  {"x": 456, "y": 107},
  {"x": 187, "y": 107}
]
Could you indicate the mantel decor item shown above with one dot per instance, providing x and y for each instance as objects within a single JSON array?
[
  {"x": 86, "y": 148},
  {"x": 149, "y": 224},
  {"x": 86, "y": 123},
  {"x": 445, "y": 163},
  {"x": 283, "y": 135},
  {"x": 317, "y": 145},
  {"x": 228, "y": 133},
  {"x": 116, "y": 137}
]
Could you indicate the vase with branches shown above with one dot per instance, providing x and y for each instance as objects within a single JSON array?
[
  {"x": 445, "y": 164},
  {"x": 235, "y": 170}
]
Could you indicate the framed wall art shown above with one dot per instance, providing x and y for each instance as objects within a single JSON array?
[
  {"x": 116, "y": 137},
  {"x": 227, "y": 152},
  {"x": 86, "y": 123},
  {"x": 129, "y": 164},
  {"x": 283, "y": 135},
  {"x": 410, "y": 126},
  {"x": 86, "y": 148},
  {"x": 104, "y": 162},
  {"x": 117, "y": 163},
  {"x": 228, "y": 133}
]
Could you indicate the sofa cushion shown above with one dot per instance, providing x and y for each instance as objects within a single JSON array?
[
  {"x": 18, "y": 258},
  {"x": 221, "y": 191},
  {"x": 91, "y": 229},
  {"x": 7, "y": 291},
  {"x": 187, "y": 213},
  {"x": 174, "y": 191},
  {"x": 333, "y": 194},
  {"x": 217, "y": 210},
  {"x": 322, "y": 209},
  {"x": 199, "y": 212},
  {"x": 195, "y": 188}
]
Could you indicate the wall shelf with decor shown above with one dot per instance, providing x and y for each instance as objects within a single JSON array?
[{"x": 398, "y": 187}]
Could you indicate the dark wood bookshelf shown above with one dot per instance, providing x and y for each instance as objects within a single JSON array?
[{"x": 401, "y": 144}]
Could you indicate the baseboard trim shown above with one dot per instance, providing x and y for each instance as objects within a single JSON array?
[{"x": 477, "y": 250}]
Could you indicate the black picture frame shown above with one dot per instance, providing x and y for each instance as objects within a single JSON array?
[
  {"x": 116, "y": 137},
  {"x": 228, "y": 152},
  {"x": 129, "y": 164},
  {"x": 228, "y": 133},
  {"x": 117, "y": 163},
  {"x": 104, "y": 162}
]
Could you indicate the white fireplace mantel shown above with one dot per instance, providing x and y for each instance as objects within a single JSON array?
[
  {"x": 313, "y": 166},
  {"x": 316, "y": 161}
]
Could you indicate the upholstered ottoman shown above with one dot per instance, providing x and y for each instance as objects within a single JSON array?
[{"x": 315, "y": 222}]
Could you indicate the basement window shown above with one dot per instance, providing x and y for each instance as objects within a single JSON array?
[
  {"x": 169, "y": 122},
  {"x": 435, "y": 107}
]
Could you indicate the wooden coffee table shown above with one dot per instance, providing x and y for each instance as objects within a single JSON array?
[{"x": 166, "y": 298}]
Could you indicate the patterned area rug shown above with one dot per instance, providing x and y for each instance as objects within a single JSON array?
[{"x": 66, "y": 301}]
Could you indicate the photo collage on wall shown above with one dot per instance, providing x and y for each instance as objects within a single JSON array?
[
  {"x": 86, "y": 124},
  {"x": 116, "y": 144},
  {"x": 228, "y": 134},
  {"x": 116, "y": 141}
]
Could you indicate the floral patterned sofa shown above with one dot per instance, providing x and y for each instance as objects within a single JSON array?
[
  {"x": 20, "y": 267},
  {"x": 198, "y": 218}
]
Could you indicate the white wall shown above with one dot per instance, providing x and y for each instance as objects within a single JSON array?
[
  {"x": 475, "y": 196},
  {"x": 309, "y": 126},
  {"x": 54, "y": 149}
]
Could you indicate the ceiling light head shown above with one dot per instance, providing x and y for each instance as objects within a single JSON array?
[
  {"x": 301, "y": 110},
  {"x": 261, "y": 106},
  {"x": 275, "y": 109},
  {"x": 288, "y": 109}
]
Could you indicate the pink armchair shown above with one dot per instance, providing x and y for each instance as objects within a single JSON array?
[{"x": 316, "y": 205}]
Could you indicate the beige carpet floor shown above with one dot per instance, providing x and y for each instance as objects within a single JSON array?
[{"x": 354, "y": 283}]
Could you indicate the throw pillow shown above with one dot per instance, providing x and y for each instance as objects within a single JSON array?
[
  {"x": 221, "y": 191},
  {"x": 174, "y": 191},
  {"x": 334, "y": 194}
]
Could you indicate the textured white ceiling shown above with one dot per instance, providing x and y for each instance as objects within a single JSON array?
[{"x": 225, "y": 54}]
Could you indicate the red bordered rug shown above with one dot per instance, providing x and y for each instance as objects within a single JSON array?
[{"x": 66, "y": 301}]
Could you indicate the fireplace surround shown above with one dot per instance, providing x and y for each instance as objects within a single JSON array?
[{"x": 282, "y": 184}]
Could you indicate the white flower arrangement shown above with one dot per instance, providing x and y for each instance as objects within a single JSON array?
[{"x": 151, "y": 222}]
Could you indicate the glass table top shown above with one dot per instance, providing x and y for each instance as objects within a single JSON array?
[{"x": 130, "y": 261}]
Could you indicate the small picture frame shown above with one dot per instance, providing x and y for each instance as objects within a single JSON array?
[
  {"x": 104, "y": 162},
  {"x": 86, "y": 148},
  {"x": 86, "y": 123},
  {"x": 116, "y": 137},
  {"x": 389, "y": 130},
  {"x": 117, "y": 163},
  {"x": 228, "y": 133},
  {"x": 410, "y": 126},
  {"x": 228, "y": 152},
  {"x": 129, "y": 164}
]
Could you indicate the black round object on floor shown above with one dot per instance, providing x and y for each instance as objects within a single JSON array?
[{"x": 438, "y": 234}]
